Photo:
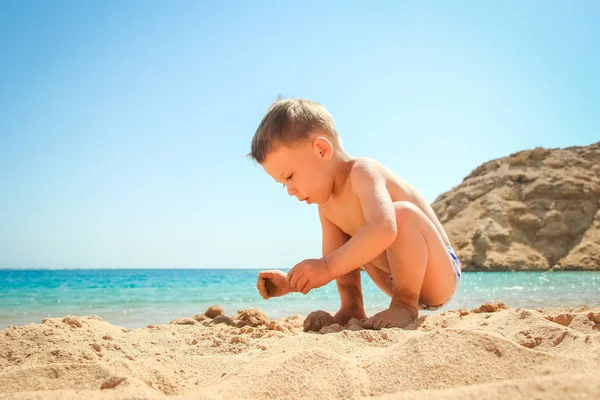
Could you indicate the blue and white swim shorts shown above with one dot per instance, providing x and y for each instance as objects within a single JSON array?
[{"x": 457, "y": 270}]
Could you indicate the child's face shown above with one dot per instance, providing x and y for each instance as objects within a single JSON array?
[{"x": 302, "y": 168}]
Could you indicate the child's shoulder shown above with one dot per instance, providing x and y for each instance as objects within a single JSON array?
[
  {"x": 364, "y": 167},
  {"x": 367, "y": 172},
  {"x": 365, "y": 163}
]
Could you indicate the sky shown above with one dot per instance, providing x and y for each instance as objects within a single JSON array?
[{"x": 124, "y": 126}]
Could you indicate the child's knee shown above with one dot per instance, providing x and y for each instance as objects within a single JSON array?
[{"x": 407, "y": 215}]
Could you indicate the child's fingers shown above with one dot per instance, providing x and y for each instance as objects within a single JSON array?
[
  {"x": 302, "y": 284},
  {"x": 295, "y": 278},
  {"x": 295, "y": 271},
  {"x": 290, "y": 274}
]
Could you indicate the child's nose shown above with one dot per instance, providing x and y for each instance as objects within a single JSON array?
[{"x": 291, "y": 191}]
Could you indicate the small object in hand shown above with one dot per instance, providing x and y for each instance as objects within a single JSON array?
[
  {"x": 272, "y": 289},
  {"x": 272, "y": 283}
]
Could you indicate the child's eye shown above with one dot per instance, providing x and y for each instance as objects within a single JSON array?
[{"x": 287, "y": 179}]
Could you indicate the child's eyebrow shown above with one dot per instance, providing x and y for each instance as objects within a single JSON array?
[{"x": 281, "y": 178}]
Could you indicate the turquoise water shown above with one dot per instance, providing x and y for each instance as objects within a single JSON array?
[{"x": 134, "y": 298}]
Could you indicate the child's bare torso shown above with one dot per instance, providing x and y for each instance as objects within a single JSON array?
[{"x": 344, "y": 209}]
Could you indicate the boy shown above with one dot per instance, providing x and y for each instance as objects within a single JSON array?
[{"x": 369, "y": 217}]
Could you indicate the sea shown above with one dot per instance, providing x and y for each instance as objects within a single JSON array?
[{"x": 134, "y": 298}]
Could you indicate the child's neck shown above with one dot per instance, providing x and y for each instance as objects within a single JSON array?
[{"x": 343, "y": 163}]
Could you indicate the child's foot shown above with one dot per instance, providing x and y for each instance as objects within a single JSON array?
[
  {"x": 345, "y": 314},
  {"x": 393, "y": 317}
]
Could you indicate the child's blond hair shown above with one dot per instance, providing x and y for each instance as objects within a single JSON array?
[{"x": 288, "y": 121}]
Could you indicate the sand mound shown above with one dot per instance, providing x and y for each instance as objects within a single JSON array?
[{"x": 503, "y": 353}]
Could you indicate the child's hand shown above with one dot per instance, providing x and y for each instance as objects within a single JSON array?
[
  {"x": 272, "y": 284},
  {"x": 309, "y": 274}
]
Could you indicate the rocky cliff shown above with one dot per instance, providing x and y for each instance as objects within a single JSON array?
[{"x": 534, "y": 210}]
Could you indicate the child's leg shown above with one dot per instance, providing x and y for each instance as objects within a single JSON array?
[
  {"x": 421, "y": 268},
  {"x": 381, "y": 278},
  {"x": 350, "y": 290}
]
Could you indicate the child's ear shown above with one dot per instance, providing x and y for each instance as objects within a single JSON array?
[{"x": 323, "y": 147}]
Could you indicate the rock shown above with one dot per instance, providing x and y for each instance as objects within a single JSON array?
[
  {"x": 112, "y": 383},
  {"x": 221, "y": 319},
  {"x": 355, "y": 328},
  {"x": 274, "y": 326},
  {"x": 317, "y": 320},
  {"x": 355, "y": 324},
  {"x": 253, "y": 317},
  {"x": 354, "y": 321},
  {"x": 184, "y": 321},
  {"x": 238, "y": 339},
  {"x": 594, "y": 317},
  {"x": 214, "y": 311},
  {"x": 563, "y": 319},
  {"x": 200, "y": 317},
  {"x": 534, "y": 210},
  {"x": 490, "y": 308},
  {"x": 240, "y": 323},
  {"x": 73, "y": 321},
  {"x": 333, "y": 328}
]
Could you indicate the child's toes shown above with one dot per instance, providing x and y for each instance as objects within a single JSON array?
[
  {"x": 376, "y": 324},
  {"x": 384, "y": 324},
  {"x": 368, "y": 323}
]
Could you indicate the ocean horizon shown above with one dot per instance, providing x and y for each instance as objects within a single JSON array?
[{"x": 134, "y": 298}]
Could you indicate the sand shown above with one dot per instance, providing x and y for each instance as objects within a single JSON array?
[{"x": 494, "y": 352}]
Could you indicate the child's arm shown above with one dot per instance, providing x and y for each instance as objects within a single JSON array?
[
  {"x": 333, "y": 237},
  {"x": 313, "y": 273},
  {"x": 379, "y": 231},
  {"x": 377, "y": 234}
]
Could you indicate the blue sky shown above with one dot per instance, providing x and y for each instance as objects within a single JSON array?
[{"x": 124, "y": 125}]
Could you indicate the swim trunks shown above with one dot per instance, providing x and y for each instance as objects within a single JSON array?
[{"x": 457, "y": 271}]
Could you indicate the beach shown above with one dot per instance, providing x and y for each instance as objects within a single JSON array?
[
  {"x": 164, "y": 165},
  {"x": 493, "y": 351}
]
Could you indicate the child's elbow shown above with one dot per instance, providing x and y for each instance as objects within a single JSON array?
[{"x": 388, "y": 231}]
